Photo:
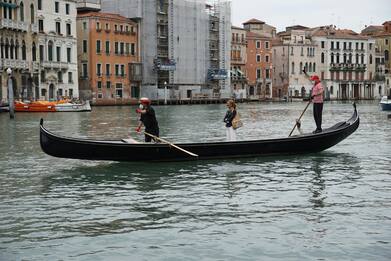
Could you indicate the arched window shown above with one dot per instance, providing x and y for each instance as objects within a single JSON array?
[
  {"x": 50, "y": 51},
  {"x": 310, "y": 68},
  {"x": 313, "y": 67},
  {"x": 21, "y": 11},
  {"x": 306, "y": 67},
  {"x": 337, "y": 57},
  {"x": 6, "y": 48},
  {"x": 293, "y": 68},
  {"x": 350, "y": 58},
  {"x": 10, "y": 11},
  {"x": 331, "y": 90},
  {"x": 23, "y": 51},
  {"x": 12, "y": 49},
  {"x": 5, "y": 12},
  {"x": 332, "y": 58},
  {"x": 32, "y": 15},
  {"x": 34, "y": 52},
  {"x": 344, "y": 58},
  {"x": 370, "y": 59},
  {"x": 362, "y": 58},
  {"x": 386, "y": 55},
  {"x": 301, "y": 67},
  {"x": 357, "y": 59},
  {"x": 2, "y": 48},
  {"x": 322, "y": 58},
  {"x": 16, "y": 49}
]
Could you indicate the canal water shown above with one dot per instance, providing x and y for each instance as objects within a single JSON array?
[{"x": 333, "y": 205}]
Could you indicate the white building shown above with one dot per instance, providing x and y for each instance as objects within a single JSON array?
[
  {"x": 185, "y": 46},
  {"x": 294, "y": 53},
  {"x": 346, "y": 64},
  {"x": 57, "y": 48}
]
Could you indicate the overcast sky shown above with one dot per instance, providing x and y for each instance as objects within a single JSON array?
[{"x": 346, "y": 14}]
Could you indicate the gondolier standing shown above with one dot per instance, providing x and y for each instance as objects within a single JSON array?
[
  {"x": 148, "y": 119},
  {"x": 317, "y": 99}
]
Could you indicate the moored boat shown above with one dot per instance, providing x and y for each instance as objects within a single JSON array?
[
  {"x": 121, "y": 150},
  {"x": 385, "y": 103},
  {"x": 69, "y": 106},
  {"x": 51, "y": 106}
]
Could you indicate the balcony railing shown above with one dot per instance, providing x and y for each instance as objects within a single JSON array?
[
  {"x": 54, "y": 65},
  {"x": 14, "y": 64},
  {"x": 15, "y": 25}
]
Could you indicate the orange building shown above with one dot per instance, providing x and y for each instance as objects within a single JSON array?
[
  {"x": 108, "y": 58},
  {"x": 259, "y": 66}
]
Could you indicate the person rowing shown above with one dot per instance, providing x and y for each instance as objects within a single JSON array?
[{"x": 148, "y": 119}]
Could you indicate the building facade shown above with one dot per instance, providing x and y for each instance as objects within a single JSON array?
[
  {"x": 18, "y": 38},
  {"x": 238, "y": 63},
  {"x": 109, "y": 60},
  {"x": 292, "y": 54},
  {"x": 185, "y": 46},
  {"x": 57, "y": 49},
  {"x": 259, "y": 66}
]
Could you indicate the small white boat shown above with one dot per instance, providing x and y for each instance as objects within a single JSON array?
[
  {"x": 70, "y": 106},
  {"x": 385, "y": 103}
]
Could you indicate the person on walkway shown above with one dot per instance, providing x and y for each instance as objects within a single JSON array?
[
  {"x": 148, "y": 119},
  {"x": 317, "y": 99},
  {"x": 229, "y": 116}
]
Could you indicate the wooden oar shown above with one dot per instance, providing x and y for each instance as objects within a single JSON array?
[
  {"x": 309, "y": 102},
  {"x": 171, "y": 144}
]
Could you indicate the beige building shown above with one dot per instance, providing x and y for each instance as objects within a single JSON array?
[
  {"x": 18, "y": 35},
  {"x": 238, "y": 63},
  {"x": 292, "y": 54}
]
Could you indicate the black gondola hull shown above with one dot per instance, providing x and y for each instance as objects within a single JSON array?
[{"x": 118, "y": 150}]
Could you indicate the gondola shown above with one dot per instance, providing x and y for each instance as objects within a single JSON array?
[{"x": 120, "y": 150}]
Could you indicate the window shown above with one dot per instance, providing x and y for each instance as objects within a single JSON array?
[
  {"x": 302, "y": 51},
  {"x": 118, "y": 90},
  {"x": 107, "y": 47},
  {"x": 100, "y": 95},
  {"x": 39, "y": 4},
  {"x": 122, "y": 70},
  {"x": 267, "y": 45},
  {"x": 370, "y": 46},
  {"x": 259, "y": 74},
  {"x": 322, "y": 57},
  {"x": 70, "y": 77},
  {"x": 98, "y": 26},
  {"x": 267, "y": 58},
  {"x": 56, "y": 7},
  {"x": 322, "y": 44},
  {"x": 127, "y": 48},
  {"x": 43, "y": 76},
  {"x": 50, "y": 51},
  {"x": 59, "y": 76},
  {"x": 258, "y": 58},
  {"x": 121, "y": 28},
  {"x": 362, "y": 46},
  {"x": 116, "y": 47},
  {"x": 58, "y": 27},
  {"x": 21, "y": 12},
  {"x": 116, "y": 70},
  {"x": 99, "y": 69},
  {"x": 84, "y": 26},
  {"x": 108, "y": 84},
  {"x": 40, "y": 25},
  {"x": 258, "y": 44},
  {"x": 332, "y": 45},
  {"x": 99, "y": 84},
  {"x": 267, "y": 72},
  {"x": 108, "y": 71},
  {"x": 69, "y": 52},
  {"x": 41, "y": 51},
  {"x": 121, "y": 48},
  {"x": 32, "y": 14},
  {"x": 135, "y": 90},
  {"x": 116, "y": 28},
  {"x": 69, "y": 33},
  {"x": 370, "y": 59},
  {"x": 58, "y": 53},
  {"x": 132, "y": 49},
  {"x": 34, "y": 53},
  {"x": 107, "y": 27},
  {"x": 98, "y": 50},
  {"x": 84, "y": 46},
  {"x": 293, "y": 68},
  {"x": 84, "y": 70},
  {"x": 67, "y": 9},
  {"x": 291, "y": 50}
]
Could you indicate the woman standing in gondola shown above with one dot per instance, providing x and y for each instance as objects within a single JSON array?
[{"x": 229, "y": 116}]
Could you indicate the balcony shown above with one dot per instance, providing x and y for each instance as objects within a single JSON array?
[
  {"x": 14, "y": 64},
  {"x": 55, "y": 65},
  {"x": 13, "y": 25}
]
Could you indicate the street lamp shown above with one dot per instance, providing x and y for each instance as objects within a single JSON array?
[
  {"x": 165, "y": 93},
  {"x": 11, "y": 104}
]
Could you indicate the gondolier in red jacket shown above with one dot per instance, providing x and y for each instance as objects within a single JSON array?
[
  {"x": 148, "y": 119},
  {"x": 317, "y": 99}
]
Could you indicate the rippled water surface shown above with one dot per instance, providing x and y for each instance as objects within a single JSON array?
[{"x": 334, "y": 205}]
